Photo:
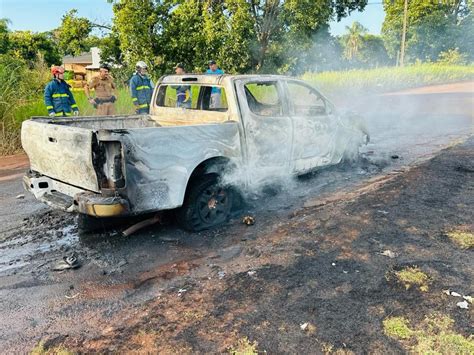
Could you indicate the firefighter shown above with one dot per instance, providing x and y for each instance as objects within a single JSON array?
[
  {"x": 104, "y": 87},
  {"x": 141, "y": 88},
  {"x": 58, "y": 97}
]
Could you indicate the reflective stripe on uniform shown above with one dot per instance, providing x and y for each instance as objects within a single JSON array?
[
  {"x": 134, "y": 99},
  {"x": 68, "y": 113},
  {"x": 143, "y": 106},
  {"x": 73, "y": 106},
  {"x": 49, "y": 107},
  {"x": 143, "y": 87},
  {"x": 59, "y": 95},
  {"x": 58, "y": 114}
]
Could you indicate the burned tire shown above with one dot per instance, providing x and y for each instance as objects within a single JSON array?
[{"x": 207, "y": 204}]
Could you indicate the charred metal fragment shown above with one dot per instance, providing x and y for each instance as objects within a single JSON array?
[{"x": 98, "y": 160}]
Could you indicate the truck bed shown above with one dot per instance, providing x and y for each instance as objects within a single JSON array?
[{"x": 102, "y": 122}]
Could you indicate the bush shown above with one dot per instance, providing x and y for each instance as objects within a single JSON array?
[
  {"x": 452, "y": 57},
  {"x": 19, "y": 88}
]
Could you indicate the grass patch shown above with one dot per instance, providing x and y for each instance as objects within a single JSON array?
[
  {"x": 244, "y": 347},
  {"x": 397, "y": 327},
  {"x": 435, "y": 335},
  {"x": 413, "y": 276},
  {"x": 327, "y": 348},
  {"x": 40, "y": 350},
  {"x": 372, "y": 81},
  {"x": 464, "y": 240}
]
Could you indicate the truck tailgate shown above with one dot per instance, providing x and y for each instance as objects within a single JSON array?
[{"x": 60, "y": 152}]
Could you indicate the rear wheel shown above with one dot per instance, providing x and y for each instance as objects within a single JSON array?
[{"x": 207, "y": 204}]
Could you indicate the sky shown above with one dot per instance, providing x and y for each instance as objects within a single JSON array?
[{"x": 45, "y": 15}]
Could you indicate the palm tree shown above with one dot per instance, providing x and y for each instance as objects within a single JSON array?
[{"x": 353, "y": 40}]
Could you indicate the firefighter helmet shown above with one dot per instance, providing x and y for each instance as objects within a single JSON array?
[
  {"x": 141, "y": 65},
  {"x": 55, "y": 69}
]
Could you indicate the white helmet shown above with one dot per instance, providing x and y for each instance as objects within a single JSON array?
[{"x": 141, "y": 65}]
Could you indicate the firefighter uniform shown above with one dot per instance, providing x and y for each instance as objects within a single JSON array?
[
  {"x": 58, "y": 98},
  {"x": 104, "y": 95},
  {"x": 141, "y": 88}
]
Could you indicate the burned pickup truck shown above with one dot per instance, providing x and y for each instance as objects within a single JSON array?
[{"x": 237, "y": 130}]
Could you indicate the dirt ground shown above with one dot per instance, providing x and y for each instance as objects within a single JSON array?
[
  {"x": 323, "y": 266},
  {"x": 308, "y": 277}
]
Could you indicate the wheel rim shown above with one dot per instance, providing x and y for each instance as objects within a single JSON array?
[{"x": 213, "y": 205}]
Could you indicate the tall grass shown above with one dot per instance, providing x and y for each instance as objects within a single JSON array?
[
  {"x": 371, "y": 81},
  {"x": 19, "y": 89}
]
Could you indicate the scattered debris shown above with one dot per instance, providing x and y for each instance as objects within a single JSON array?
[
  {"x": 382, "y": 211},
  {"x": 68, "y": 262},
  {"x": 452, "y": 293},
  {"x": 463, "y": 305},
  {"x": 221, "y": 274},
  {"x": 333, "y": 264},
  {"x": 308, "y": 327},
  {"x": 73, "y": 296},
  {"x": 389, "y": 253},
  {"x": 20, "y": 197},
  {"x": 181, "y": 291},
  {"x": 122, "y": 263},
  {"x": 251, "y": 273},
  {"x": 394, "y": 156},
  {"x": 345, "y": 272},
  {"x": 136, "y": 227},
  {"x": 248, "y": 220},
  {"x": 455, "y": 294}
]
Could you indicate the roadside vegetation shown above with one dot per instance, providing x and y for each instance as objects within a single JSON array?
[
  {"x": 21, "y": 90},
  {"x": 297, "y": 41},
  {"x": 357, "y": 82},
  {"x": 434, "y": 335}
]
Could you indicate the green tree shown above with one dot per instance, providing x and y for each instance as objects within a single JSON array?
[
  {"x": 184, "y": 37},
  {"x": 432, "y": 26},
  {"x": 243, "y": 35},
  {"x": 31, "y": 46},
  {"x": 4, "y": 35},
  {"x": 139, "y": 25},
  {"x": 110, "y": 51},
  {"x": 285, "y": 27},
  {"x": 373, "y": 52},
  {"x": 353, "y": 40},
  {"x": 72, "y": 34}
]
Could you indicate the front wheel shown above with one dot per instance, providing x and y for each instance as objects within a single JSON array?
[{"x": 207, "y": 204}]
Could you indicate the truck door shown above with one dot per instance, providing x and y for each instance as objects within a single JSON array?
[
  {"x": 267, "y": 127},
  {"x": 315, "y": 128}
]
